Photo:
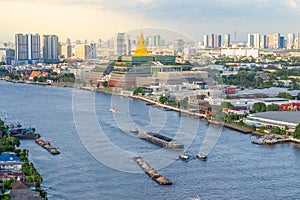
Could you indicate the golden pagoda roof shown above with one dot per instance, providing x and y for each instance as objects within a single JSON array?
[{"x": 141, "y": 49}]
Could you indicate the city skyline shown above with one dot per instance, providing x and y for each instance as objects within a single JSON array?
[{"x": 102, "y": 18}]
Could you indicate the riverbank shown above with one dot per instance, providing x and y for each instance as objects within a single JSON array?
[
  {"x": 152, "y": 102},
  {"x": 16, "y": 169}
]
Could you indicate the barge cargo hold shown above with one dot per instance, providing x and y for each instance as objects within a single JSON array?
[
  {"x": 46, "y": 145},
  {"x": 151, "y": 172},
  {"x": 162, "y": 141}
]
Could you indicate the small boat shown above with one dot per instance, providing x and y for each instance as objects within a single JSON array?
[
  {"x": 185, "y": 157},
  {"x": 256, "y": 140},
  {"x": 202, "y": 156},
  {"x": 113, "y": 110},
  {"x": 134, "y": 131},
  {"x": 150, "y": 104},
  {"x": 167, "y": 109}
]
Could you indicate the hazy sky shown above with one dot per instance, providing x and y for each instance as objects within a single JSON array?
[{"x": 94, "y": 19}]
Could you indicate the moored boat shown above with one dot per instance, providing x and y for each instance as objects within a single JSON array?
[{"x": 23, "y": 133}]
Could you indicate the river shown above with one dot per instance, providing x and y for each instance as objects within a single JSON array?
[{"x": 86, "y": 168}]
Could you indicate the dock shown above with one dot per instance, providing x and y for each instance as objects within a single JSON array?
[
  {"x": 270, "y": 139},
  {"x": 151, "y": 172},
  {"x": 46, "y": 145}
]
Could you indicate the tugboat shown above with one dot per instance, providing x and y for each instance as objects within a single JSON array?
[
  {"x": 202, "y": 156},
  {"x": 134, "y": 131},
  {"x": 113, "y": 110},
  {"x": 185, "y": 157}
]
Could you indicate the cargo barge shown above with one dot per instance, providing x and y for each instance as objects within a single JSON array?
[
  {"x": 151, "y": 172},
  {"x": 46, "y": 145},
  {"x": 161, "y": 140}
]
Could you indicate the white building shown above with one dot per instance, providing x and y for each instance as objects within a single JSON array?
[{"x": 240, "y": 52}]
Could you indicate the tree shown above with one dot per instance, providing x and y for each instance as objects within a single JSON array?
[
  {"x": 285, "y": 95},
  {"x": 296, "y": 133},
  {"x": 183, "y": 103},
  {"x": 105, "y": 84},
  {"x": 163, "y": 99},
  {"x": 273, "y": 107},
  {"x": 225, "y": 104},
  {"x": 259, "y": 107}
]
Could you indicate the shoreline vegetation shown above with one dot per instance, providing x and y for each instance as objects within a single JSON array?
[
  {"x": 32, "y": 176},
  {"x": 237, "y": 126}
]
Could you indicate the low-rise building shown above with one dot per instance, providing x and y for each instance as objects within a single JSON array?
[{"x": 11, "y": 162}]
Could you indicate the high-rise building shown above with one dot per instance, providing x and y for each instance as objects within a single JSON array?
[
  {"x": 153, "y": 41},
  {"x": 226, "y": 40},
  {"x": 7, "y": 55},
  {"x": 298, "y": 41},
  {"x": 211, "y": 41},
  {"x": 291, "y": 41},
  {"x": 50, "y": 48},
  {"x": 65, "y": 50},
  {"x": 83, "y": 51},
  {"x": 119, "y": 44},
  {"x": 250, "y": 42},
  {"x": 93, "y": 53},
  {"x": 281, "y": 42},
  {"x": 178, "y": 46},
  {"x": 27, "y": 47},
  {"x": 253, "y": 40},
  {"x": 264, "y": 42},
  {"x": 273, "y": 41},
  {"x": 217, "y": 41},
  {"x": 205, "y": 40}
]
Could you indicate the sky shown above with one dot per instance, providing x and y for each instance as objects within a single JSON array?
[{"x": 100, "y": 19}]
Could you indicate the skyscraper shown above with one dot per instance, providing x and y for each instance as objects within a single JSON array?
[
  {"x": 253, "y": 40},
  {"x": 50, "y": 48},
  {"x": 66, "y": 50},
  {"x": 178, "y": 46},
  {"x": 291, "y": 41},
  {"x": 153, "y": 41},
  {"x": 250, "y": 42},
  {"x": 226, "y": 40},
  {"x": 27, "y": 47},
  {"x": 119, "y": 44},
  {"x": 205, "y": 40},
  {"x": 298, "y": 40},
  {"x": 264, "y": 42},
  {"x": 83, "y": 51},
  {"x": 274, "y": 41},
  {"x": 211, "y": 41},
  {"x": 217, "y": 41}
]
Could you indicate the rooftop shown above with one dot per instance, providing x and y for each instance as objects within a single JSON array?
[{"x": 289, "y": 117}]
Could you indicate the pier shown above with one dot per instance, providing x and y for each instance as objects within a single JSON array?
[{"x": 151, "y": 172}]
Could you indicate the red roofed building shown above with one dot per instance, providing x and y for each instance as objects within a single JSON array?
[{"x": 34, "y": 74}]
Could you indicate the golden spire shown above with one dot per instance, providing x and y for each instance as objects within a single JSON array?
[{"x": 141, "y": 49}]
